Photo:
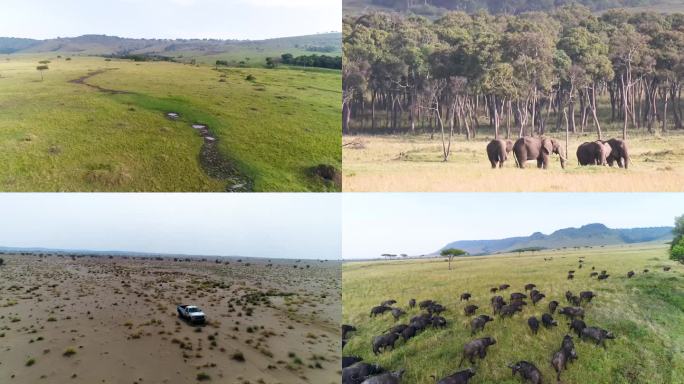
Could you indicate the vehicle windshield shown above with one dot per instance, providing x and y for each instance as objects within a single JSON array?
[{"x": 191, "y": 310}]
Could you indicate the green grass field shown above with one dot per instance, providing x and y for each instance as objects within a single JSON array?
[
  {"x": 413, "y": 163},
  {"x": 646, "y": 313},
  {"x": 60, "y": 136}
]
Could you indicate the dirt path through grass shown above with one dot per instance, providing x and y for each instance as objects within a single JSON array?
[{"x": 211, "y": 160}]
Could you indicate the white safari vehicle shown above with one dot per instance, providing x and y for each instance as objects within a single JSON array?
[{"x": 191, "y": 313}]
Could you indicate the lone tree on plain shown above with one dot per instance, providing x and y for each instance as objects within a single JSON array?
[
  {"x": 450, "y": 253},
  {"x": 40, "y": 69}
]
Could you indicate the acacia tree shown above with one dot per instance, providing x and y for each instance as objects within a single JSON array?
[
  {"x": 450, "y": 253},
  {"x": 40, "y": 69}
]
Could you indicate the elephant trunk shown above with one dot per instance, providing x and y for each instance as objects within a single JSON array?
[{"x": 563, "y": 159}]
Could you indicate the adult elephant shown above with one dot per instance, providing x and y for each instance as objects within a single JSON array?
[
  {"x": 619, "y": 153},
  {"x": 498, "y": 150},
  {"x": 593, "y": 153},
  {"x": 537, "y": 148}
]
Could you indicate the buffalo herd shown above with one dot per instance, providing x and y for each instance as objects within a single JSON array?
[{"x": 357, "y": 371}]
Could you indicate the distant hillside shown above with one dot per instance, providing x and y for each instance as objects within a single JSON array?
[
  {"x": 587, "y": 235},
  {"x": 325, "y": 43},
  {"x": 438, "y": 7}
]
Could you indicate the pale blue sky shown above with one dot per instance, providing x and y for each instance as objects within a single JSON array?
[
  {"x": 304, "y": 225},
  {"x": 221, "y": 19},
  {"x": 421, "y": 223}
]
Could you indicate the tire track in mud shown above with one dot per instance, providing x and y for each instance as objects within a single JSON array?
[{"x": 213, "y": 163}]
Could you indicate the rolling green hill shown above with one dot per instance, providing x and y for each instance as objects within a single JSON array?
[
  {"x": 587, "y": 235},
  {"x": 249, "y": 52}
]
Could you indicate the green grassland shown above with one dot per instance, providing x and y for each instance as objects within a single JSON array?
[
  {"x": 646, "y": 313},
  {"x": 61, "y": 136}
]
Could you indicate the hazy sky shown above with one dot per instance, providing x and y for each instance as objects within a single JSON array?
[
  {"x": 304, "y": 225},
  {"x": 223, "y": 19},
  {"x": 421, "y": 223}
]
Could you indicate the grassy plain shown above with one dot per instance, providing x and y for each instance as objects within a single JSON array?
[
  {"x": 413, "y": 163},
  {"x": 60, "y": 136},
  {"x": 646, "y": 313}
]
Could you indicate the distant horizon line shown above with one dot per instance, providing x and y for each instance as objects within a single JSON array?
[
  {"x": 41, "y": 249},
  {"x": 170, "y": 38}
]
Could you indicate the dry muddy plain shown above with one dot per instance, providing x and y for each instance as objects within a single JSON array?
[{"x": 98, "y": 319}]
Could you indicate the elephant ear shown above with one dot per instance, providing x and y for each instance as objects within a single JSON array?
[{"x": 547, "y": 146}]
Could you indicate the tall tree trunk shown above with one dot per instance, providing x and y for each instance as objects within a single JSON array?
[{"x": 592, "y": 102}]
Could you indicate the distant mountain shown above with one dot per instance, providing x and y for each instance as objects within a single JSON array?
[
  {"x": 587, "y": 235},
  {"x": 329, "y": 43},
  {"x": 437, "y": 7}
]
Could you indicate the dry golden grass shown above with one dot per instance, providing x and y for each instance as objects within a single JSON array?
[{"x": 405, "y": 163}]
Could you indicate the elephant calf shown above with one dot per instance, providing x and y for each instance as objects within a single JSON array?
[
  {"x": 497, "y": 151},
  {"x": 384, "y": 341},
  {"x": 593, "y": 153},
  {"x": 619, "y": 153},
  {"x": 477, "y": 347},
  {"x": 528, "y": 371},
  {"x": 461, "y": 377}
]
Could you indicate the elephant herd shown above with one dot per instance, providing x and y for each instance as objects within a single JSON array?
[{"x": 539, "y": 149}]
